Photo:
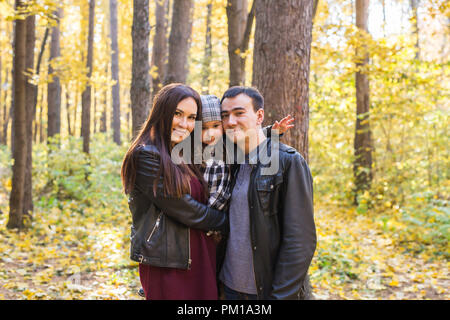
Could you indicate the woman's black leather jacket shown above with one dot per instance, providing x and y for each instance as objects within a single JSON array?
[{"x": 161, "y": 225}]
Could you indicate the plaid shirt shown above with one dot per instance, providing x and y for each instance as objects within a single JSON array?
[{"x": 218, "y": 176}]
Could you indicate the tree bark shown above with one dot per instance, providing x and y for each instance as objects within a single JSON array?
[
  {"x": 115, "y": 90},
  {"x": 140, "y": 78},
  {"x": 54, "y": 87},
  {"x": 86, "y": 96},
  {"x": 19, "y": 123},
  {"x": 159, "y": 52},
  {"x": 362, "y": 166},
  {"x": 30, "y": 92},
  {"x": 206, "y": 70},
  {"x": 281, "y": 63},
  {"x": 179, "y": 41},
  {"x": 239, "y": 28}
]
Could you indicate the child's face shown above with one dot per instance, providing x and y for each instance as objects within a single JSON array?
[{"x": 211, "y": 132}]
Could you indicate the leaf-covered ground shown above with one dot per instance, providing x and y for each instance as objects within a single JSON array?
[
  {"x": 68, "y": 255},
  {"x": 77, "y": 245}
]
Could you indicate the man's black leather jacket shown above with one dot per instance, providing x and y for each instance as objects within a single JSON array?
[
  {"x": 282, "y": 228},
  {"x": 160, "y": 225}
]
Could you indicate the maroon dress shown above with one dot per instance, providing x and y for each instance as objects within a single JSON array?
[{"x": 197, "y": 283}]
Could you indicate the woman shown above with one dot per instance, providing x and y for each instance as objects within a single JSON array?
[{"x": 167, "y": 202}]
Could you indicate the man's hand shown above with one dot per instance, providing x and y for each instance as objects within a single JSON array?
[{"x": 284, "y": 125}]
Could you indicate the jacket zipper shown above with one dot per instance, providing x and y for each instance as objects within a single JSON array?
[
  {"x": 155, "y": 227},
  {"x": 189, "y": 244},
  {"x": 252, "y": 244}
]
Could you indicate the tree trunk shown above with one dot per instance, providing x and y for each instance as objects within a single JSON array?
[
  {"x": 159, "y": 53},
  {"x": 281, "y": 62},
  {"x": 86, "y": 96},
  {"x": 19, "y": 123},
  {"x": 94, "y": 120},
  {"x": 38, "y": 70},
  {"x": 30, "y": 92},
  {"x": 69, "y": 128},
  {"x": 239, "y": 29},
  {"x": 179, "y": 41},
  {"x": 115, "y": 90},
  {"x": 2, "y": 112},
  {"x": 75, "y": 111},
  {"x": 41, "y": 126},
  {"x": 140, "y": 78},
  {"x": 13, "y": 90},
  {"x": 208, "y": 51},
  {"x": 103, "y": 127},
  {"x": 5, "y": 113},
  {"x": 415, "y": 22},
  {"x": 315, "y": 6},
  {"x": 362, "y": 166},
  {"x": 54, "y": 87}
]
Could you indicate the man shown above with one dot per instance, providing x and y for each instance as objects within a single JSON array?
[{"x": 272, "y": 232}]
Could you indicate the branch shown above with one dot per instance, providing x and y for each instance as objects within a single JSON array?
[
  {"x": 248, "y": 28},
  {"x": 316, "y": 5}
]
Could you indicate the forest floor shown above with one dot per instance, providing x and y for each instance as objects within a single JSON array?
[{"x": 68, "y": 255}]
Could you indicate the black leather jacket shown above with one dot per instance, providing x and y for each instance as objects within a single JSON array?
[
  {"x": 160, "y": 225},
  {"x": 282, "y": 228}
]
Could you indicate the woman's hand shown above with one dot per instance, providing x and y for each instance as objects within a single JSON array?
[
  {"x": 216, "y": 236},
  {"x": 284, "y": 125}
]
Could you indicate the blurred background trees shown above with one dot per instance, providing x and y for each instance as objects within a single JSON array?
[{"x": 367, "y": 81}]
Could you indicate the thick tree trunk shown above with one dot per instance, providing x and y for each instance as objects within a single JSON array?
[
  {"x": 206, "y": 70},
  {"x": 115, "y": 90},
  {"x": 140, "y": 79},
  {"x": 239, "y": 28},
  {"x": 19, "y": 124},
  {"x": 54, "y": 87},
  {"x": 179, "y": 41},
  {"x": 281, "y": 62},
  {"x": 13, "y": 90},
  {"x": 159, "y": 53},
  {"x": 86, "y": 96},
  {"x": 30, "y": 92},
  {"x": 362, "y": 166}
]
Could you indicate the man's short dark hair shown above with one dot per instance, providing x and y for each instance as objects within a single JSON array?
[{"x": 253, "y": 93}]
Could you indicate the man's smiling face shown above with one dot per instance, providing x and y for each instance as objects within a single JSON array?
[{"x": 239, "y": 117}]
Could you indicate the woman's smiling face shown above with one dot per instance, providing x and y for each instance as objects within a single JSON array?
[{"x": 183, "y": 122}]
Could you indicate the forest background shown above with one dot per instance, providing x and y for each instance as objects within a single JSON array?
[{"x": 381, "y": 206}]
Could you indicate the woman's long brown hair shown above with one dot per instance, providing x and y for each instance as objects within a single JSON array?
[{"x": 157, "y": 130}]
